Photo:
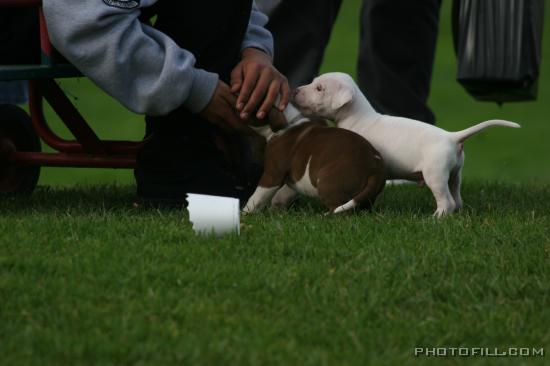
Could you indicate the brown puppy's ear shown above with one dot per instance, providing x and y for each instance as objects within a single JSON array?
[{"x": 277, "y": 120}]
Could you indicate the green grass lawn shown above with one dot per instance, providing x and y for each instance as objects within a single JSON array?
[{"x": 87, "y": 278}]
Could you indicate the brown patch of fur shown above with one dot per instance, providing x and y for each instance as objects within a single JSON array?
[{"x": 342, "y": 163}]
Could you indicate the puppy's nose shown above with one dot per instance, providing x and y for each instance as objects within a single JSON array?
[{"x": 295, "y": 93}]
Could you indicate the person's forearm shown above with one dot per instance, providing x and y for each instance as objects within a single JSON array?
[
  {"x": 139, "y": 66},
  {"x": 257, "y": 36}
]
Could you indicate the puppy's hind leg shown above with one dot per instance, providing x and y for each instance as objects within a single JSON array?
[
  {"x": 284, "y": 197},
  {"x": 438, "y": 182},
  {"x": 455, "y": 180}
]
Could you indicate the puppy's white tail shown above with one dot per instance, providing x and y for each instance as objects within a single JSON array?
[
  {"x": 461, "y": 136},
  {"x": 346, "y": 206},
  {"x": 375, "y": 184}
]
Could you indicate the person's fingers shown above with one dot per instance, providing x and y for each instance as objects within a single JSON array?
[
  {"x": 228, "y": 96},
  {"x": 285, "y": 95},
  {"x": 270, "y": 98},
  {"x": 237, "y": 78},
  {"x": 221, "y": 112},
  {"x": 228, "y": 114},
  {"x": 258, "y": 93},
  {"x": 250, "y": 78},
  {"x": 232, "y": 120},
  {"x": 235, "y": 123},
  {"x": 223, "y": 88}
]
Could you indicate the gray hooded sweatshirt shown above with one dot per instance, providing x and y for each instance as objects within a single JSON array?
[{"x": 141, "y": 67}]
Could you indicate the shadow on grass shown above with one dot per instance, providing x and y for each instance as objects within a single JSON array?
[
  {"x": 85, "y": 198},
  {"x": 478, "y": 196}
]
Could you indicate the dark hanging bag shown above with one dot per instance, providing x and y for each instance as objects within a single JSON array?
[{"x": 498, "y": 45}]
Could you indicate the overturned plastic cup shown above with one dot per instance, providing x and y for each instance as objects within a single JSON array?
[{"x": 213, "y": 214}]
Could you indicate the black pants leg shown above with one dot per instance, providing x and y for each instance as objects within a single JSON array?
[
  {"x": 397, "y": 49},
  {"x": 185, "y": 153},
  {"x": 301, "y": 31},
  {"x": 183, "y": 159}
]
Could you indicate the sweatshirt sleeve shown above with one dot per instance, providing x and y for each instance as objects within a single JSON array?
[
  {"x": 257, "y": 36},
  {"x": 139, "y": 66}
]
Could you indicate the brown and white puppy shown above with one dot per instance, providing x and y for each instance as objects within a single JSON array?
[{"x": 310, "y": 158}]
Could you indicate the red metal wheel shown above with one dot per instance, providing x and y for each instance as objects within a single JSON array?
[{"x": 17, "y": 134}]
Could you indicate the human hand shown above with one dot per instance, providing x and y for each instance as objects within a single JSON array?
[
  {"x": 275, "y": 119},
  {"x": 221, "y": 111},
  {"x": 257, "y": 81}
]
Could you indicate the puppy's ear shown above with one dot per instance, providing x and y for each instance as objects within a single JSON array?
[
  {"x": 277, "y": 120},
  {"x": 342, "y": 97}
]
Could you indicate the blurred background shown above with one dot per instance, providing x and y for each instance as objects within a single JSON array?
[{"x": 498, "y": 154}]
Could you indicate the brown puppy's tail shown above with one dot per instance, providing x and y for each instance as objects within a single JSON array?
[{"x": 375, "y": 184}]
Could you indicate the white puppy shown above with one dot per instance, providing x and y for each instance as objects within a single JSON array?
[{"x": 412, "y": 149}]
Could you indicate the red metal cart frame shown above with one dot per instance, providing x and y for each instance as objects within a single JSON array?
[{"x": 86, "y": 150}]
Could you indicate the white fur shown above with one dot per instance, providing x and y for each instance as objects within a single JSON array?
[
  {"x": 351, "y": 204},
  {"x": 411, "y": 149},
  {"x": 304, "y": 185},
  {"x": 260, "y": 198},
  {"x": 280, "y": 197}
]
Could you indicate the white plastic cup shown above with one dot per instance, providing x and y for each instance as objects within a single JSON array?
[{"x": 214, "y": 214}]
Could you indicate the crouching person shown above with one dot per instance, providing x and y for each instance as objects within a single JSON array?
[{"x": 197, "y": 73}]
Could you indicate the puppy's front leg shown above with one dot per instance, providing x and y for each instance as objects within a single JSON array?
[
  {"x": 272, "y": 179},
  {"x": 260, "y": 198}
]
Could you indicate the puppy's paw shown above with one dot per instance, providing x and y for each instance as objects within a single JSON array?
[
  {"x": 247, "y": 210},
  {"x": 440, "y": 213}
]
